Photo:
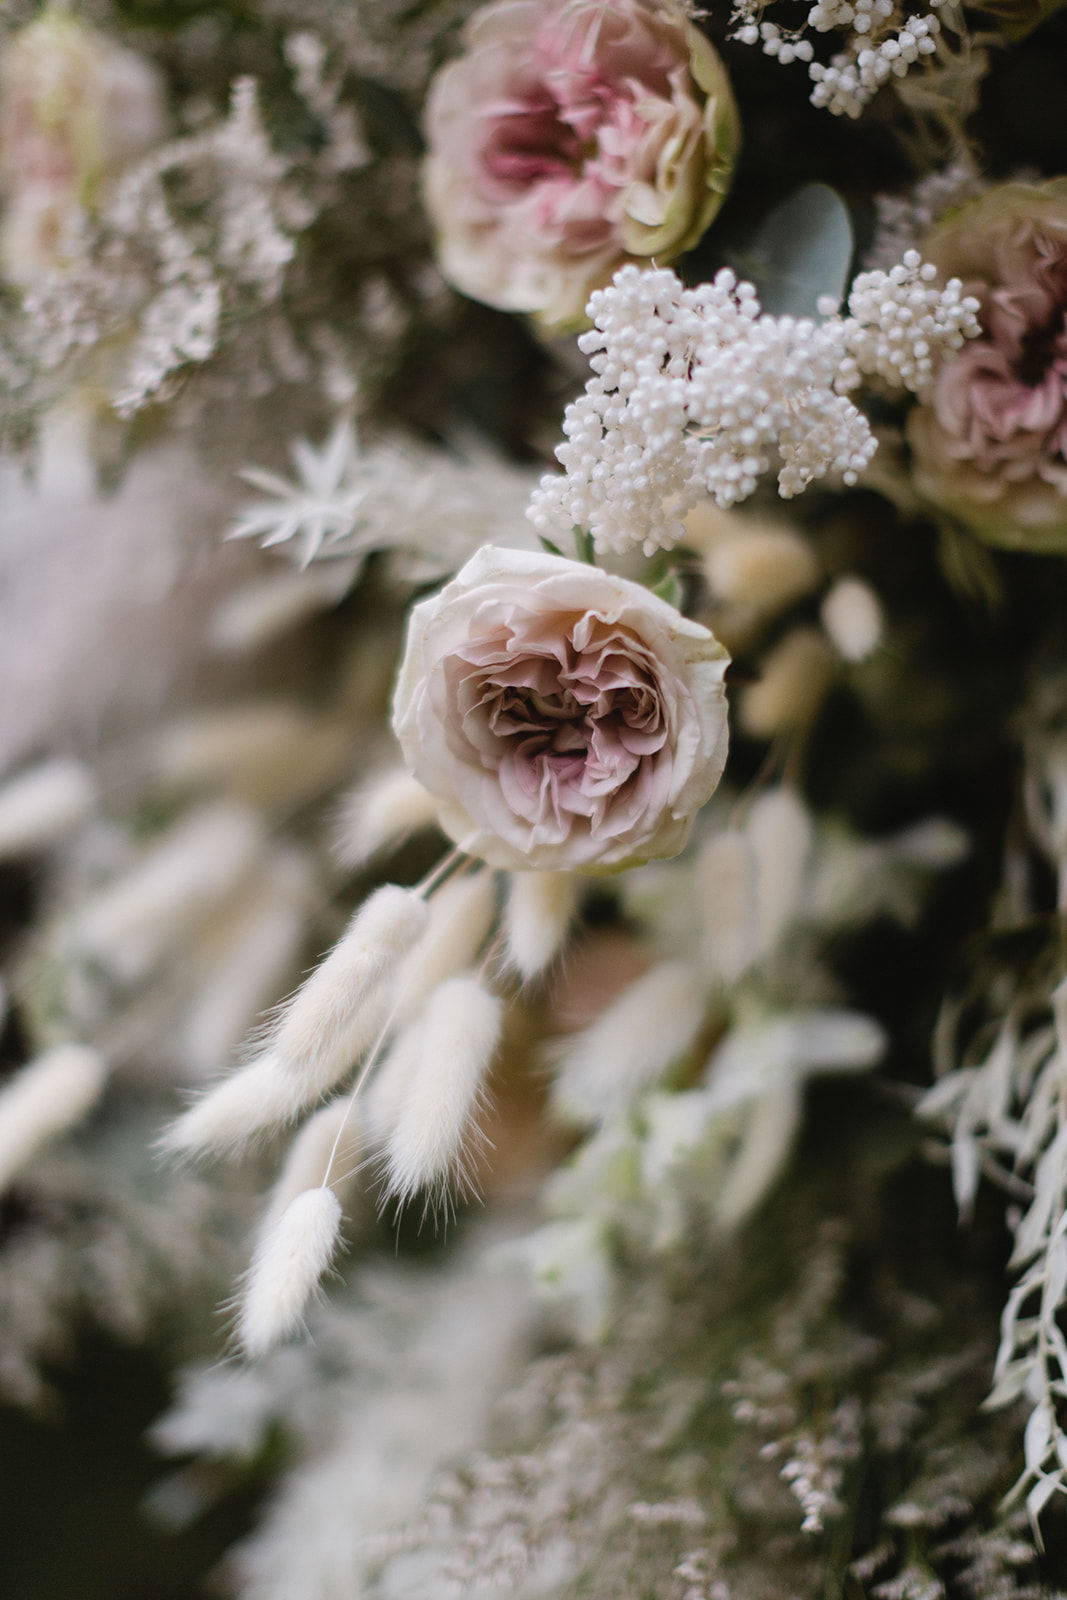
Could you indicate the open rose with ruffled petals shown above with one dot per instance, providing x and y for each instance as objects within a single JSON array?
[
  {"x": 989, "y": 443},
  {"x": 574, "y": 135},
  {"x": 562, "y": 717}
]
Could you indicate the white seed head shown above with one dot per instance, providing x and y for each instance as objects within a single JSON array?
[
  {"x": 289, "y": 1261},
  {"x": 631, "y": 1044},
  {"x": 538, "y": 912},
  {"x": 382, "y": 812},
  {"x": 852, "y": 618},
  {"x": 781, "y": 835},
  {"x": 42, "y": 804},
  {"x": 767, "y": 568},
  {"x": 325, "y": 1151},
  {"x": 131, "y": 924},
  {"x": 271, "y": 753},
  {"x": 46, "y": 1097},
  {"x": 461, "y": 914},
  {"x": 796, "y": 675},
  {"x": 334, "y": 1016},
  {"x": 252, "y": 963},
  {"x": 726, "y": 887},
  {"x": 253, "y": 1100},
  {"x": 434, "y": 1117}
]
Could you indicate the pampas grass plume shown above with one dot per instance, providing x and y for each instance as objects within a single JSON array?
[
  {"x": 289, "y": 1261},
  {"x": 425, "y": 1148},
  {"x": 46, "y": 1097},
  {"x": 540, "y": 907}
]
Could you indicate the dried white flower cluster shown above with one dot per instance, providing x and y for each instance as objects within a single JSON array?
[
  {"x": 880, "y": 44},
  {"x": 696, "y": 391}
]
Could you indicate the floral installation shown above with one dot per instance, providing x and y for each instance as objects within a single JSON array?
[
  {"x": 601, "y": 132},
  {"x": 533, "y": 799}
]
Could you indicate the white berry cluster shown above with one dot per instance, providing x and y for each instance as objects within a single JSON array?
[
  {"x": 696, "y": 392},
  {"x": 901, "y": 323},
  {"x": 879, "y": 45}
]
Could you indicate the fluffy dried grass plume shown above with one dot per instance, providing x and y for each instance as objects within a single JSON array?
[
  {"x": 289, "y": 1261},
  {"x": 48, "y": 1096},
  {"x": 446, "y": 1078}
]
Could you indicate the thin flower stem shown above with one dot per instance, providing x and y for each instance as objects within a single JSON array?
[{"x": 439, "y": 872}]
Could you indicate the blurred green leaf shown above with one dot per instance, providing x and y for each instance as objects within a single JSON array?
[{"x": 799, "y": 251}]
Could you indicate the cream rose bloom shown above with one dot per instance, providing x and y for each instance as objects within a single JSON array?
[
  {"x": 572, "y": 136},
  {"x": 561, "y": 716}
]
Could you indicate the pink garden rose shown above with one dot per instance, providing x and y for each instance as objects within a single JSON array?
[
  {"x": 989, "y": 442},
  {"x": 572, "y": 136},
  {"x": 75, "y": 109},
  {"x": 561, "y": 716}
]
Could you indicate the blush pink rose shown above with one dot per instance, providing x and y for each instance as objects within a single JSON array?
[
  {"x": 572, "y": 136},
  {"x": 75, "y": 109},
  {"x": 989, "y": 442},
  {"x": 561, "y": 716}
]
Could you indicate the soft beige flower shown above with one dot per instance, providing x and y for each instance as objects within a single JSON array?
[
  {"x": 562, "y": 716},
  {"x": 572, "y": 136},
  {"x": 75, "y": 108},
  {"x": 989, "y": 441}
]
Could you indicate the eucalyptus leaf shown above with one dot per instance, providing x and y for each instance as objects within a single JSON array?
[{"x": 799, "y": 252}]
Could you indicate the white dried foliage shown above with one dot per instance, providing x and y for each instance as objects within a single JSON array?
[
  {"x": 289, "y": 1262},
  {"x": 432, "y": 507},
  {"x": 406, "y": 1384},
  {"x": 435, "y": 1108},
  {"x": 42, "y": 804},
  {"x": 1006, "y": 1115},
  {"x": 1003, "y": 1105},
  {"x": 538, "y": 913},
  {"x": 45, "y": 1098},
  {"x": 696, "y": 392},
  {"x": 631, "y": 1044}
]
